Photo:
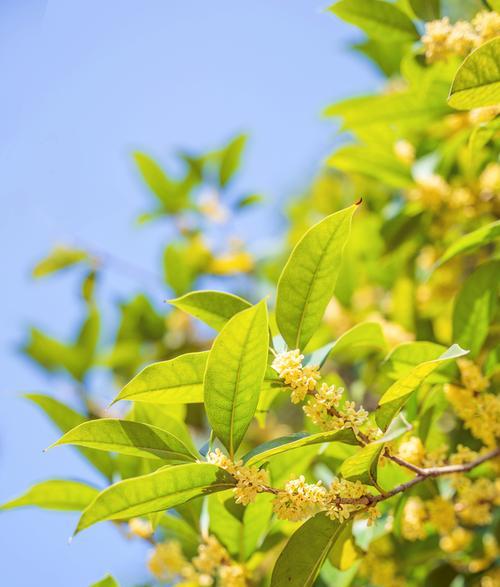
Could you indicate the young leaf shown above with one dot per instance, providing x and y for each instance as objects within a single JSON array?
[
  {"x": 235, "y": 371},
  {"x": 470, "y": 242},
  {"x": 56, "y": 494},
  {"x": 477, "y": 81},
  {"x": 308, "y": 279},
  {"x": 379, "y": 20},
  {"x": 214, "y": 308},
  {"x": 230, "y": 159},
  {"x": 300, "y": 561},
  {"x": 283, "y": 444},
  {"x": 160, "y": 490},
  {"x": 129, "y": 438},
  {"x": 60, "y": 258},
  {"x": 66, "y": 418},
  {"x": 475, "y": 307},
  {"x": 399, "y": 393},
  {"x": 107, "y": 581},
  {"x": 362, "y": 465},
  {"x": 177, "y": 381}
]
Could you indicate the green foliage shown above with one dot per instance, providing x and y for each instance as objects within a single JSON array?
[
  {"x": 477, "y": 81},
  {"x": 107, "y": 581},
  {"x": 56, "y": 494},
  {"x": 301, "y": 303},
  {"x": 235, "y": 371}
]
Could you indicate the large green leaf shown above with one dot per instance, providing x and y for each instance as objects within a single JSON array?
[
  {"x": 477, "y": 81},
  {"x": 399, "y": 393},
  {"x": 300, "y": 561},
  {"x": 475, "y": 307},
  {"x": 214, "y": 308},
  {"x": 177, "y": 381},
  {"x": 235, "y": 372},
  {"x": 166, "y": 488},
  {"x": 379, "y": 20},
  {"x": 56, "y": 494},
  {"x": 470, "y": 242},
  {"x": 107, "y": 581},
  {"x": 308, "y": 279},
  {"x": 129, "y": 438},
  {"x": 362, "y": 465},
  {"x": 65, "y": 418},
  {"x": 265, "y": 451}
]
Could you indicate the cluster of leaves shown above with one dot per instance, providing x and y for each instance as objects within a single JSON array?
[{"x": 371, "y": 296}]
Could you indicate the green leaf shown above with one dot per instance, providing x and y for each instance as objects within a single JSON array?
[
  {"x": 363, "y": 336},
  {"x": 230, "y": 159},
  {"x": 399, "y": 393},
  {"x": 163, "y": 489},
  {"x": 56, "y": 494},
  {"x": 129, "y": 438},
  {"x": 265, "y": 451},
  {"x": 475, "y": 306},
  {"x": 214, "y": 308},
  {"x": 176, "y": 528},
  {"x": 362, "y": 465},
  {"x": 107, "y": 581},
  {"x": 183, "y": 262},
  {"x": 471, "y": 242},
  {"x": 167, "y": 191},
  {"x": 60, "y": 258},
  {"x": 308, "y": 279},
  {"x": 177, "y": 381},
  {"x": 379, "y": 20},
  {"x": 404, "y": 357},
  {"x": 477, "y": 81},
  {"x": 300, "y": 561},
  {"x": 345, "y": 552},
  {"x": 235, "y": 372},
  {"x": 65, "y": 418},
  {"x": 426, "y": 9}
]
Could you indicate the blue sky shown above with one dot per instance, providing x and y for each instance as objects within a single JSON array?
[{"x": 84, "y": 84}]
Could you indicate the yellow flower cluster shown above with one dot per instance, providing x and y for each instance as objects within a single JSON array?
[
  {"x": 479, "y": 410},
  {"x": 413, "y": 519},
  {"x": 299, "y": 500},
  {"x": 342, "y": 488},
  {"x": 380, "y": 570},
  {"x": 250, "y": 480},
  {"x": 404, "y": 151},
  {"x": 443, "y": 39},
  {"x": 140, "y": 527},
  {"x": 412, "y": 451},
  {"x": 213, "y": 563},
  {"x": 301, "y": 379},
  {"x": 475, "y": 499},
  {"x": 431, "y": 191},
  {"x": 457, "y": 540},
  {"x": 441, "y": 513}
]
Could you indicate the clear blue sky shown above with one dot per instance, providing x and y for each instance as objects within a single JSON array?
[{"x": 84, "y": 83}]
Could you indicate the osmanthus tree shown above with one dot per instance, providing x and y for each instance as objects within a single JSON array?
[{"x": 344, "y": 430}]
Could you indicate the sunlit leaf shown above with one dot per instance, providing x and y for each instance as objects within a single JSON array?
[
  {"x": 214, "y": 308},
  {"x": 129, "y": 438},
  {"x": 378, "y": 19},
  {"x": 477, "y": 81},
  {"x": 56, "y": 494},
  {"x": 235, "y": 371},
  {"x": 60, "y": 258},
  {"x": 362, "y": 466},
  {"x": 107, "y": 581},
  {"x": 230, "y": 159},
  {"x": 308, "y": 279},
  {"x": 161, "y": 490},
  {"x": 398, "y": 394}
]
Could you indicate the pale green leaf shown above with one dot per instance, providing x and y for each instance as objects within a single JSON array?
[
  {"x": 129, "y": 438},
  {"x": 362, "y": 465},
  {"x": 163, "y": 489},
  {"x": 214, "y": 308},
  {"x": 477, "y": 81},
  {"x": 177, "y": 381},
  {"x": 379, "y": 20},
  {"x": 398, "y": 394},
  {"x": 166, "y": 190},
  {"x": 470, "y": 242},
  {"x": 230, "y": 159},
  {"x": 60, "y": 258},
  {"x": 235, "y": 372},
  {"x": 301, "y": 560},
  {"x": 265, "y": 451},
  {"x": 362, "y": 337},
  {"x": 65, "y": 418},
  {"x": 308, "y": 279},
  {"x": 56, "y": 494},
  {"x": 107, "y": 581},
  {"x": 475, "y": 306}
]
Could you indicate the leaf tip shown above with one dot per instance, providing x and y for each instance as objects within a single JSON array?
[{"x": 358, "y": 202}]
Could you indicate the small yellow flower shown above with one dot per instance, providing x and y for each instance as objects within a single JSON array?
[
  {"x": 167, "y": 561},
  {"x": 457, "y": 540},
  {"x": 441, "y": 514},
  {"x": 487, "y": 25},
  {"x": 431, "y": 191},
  {"x": 140, "y": 527},
  {"x": 301, "y": 379},
  {"x": 299, "y": 500},
  {"x": 413, "y": 519},
  {"x": 404, "y": 151},
  {"x": 412, "y": 451}
]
